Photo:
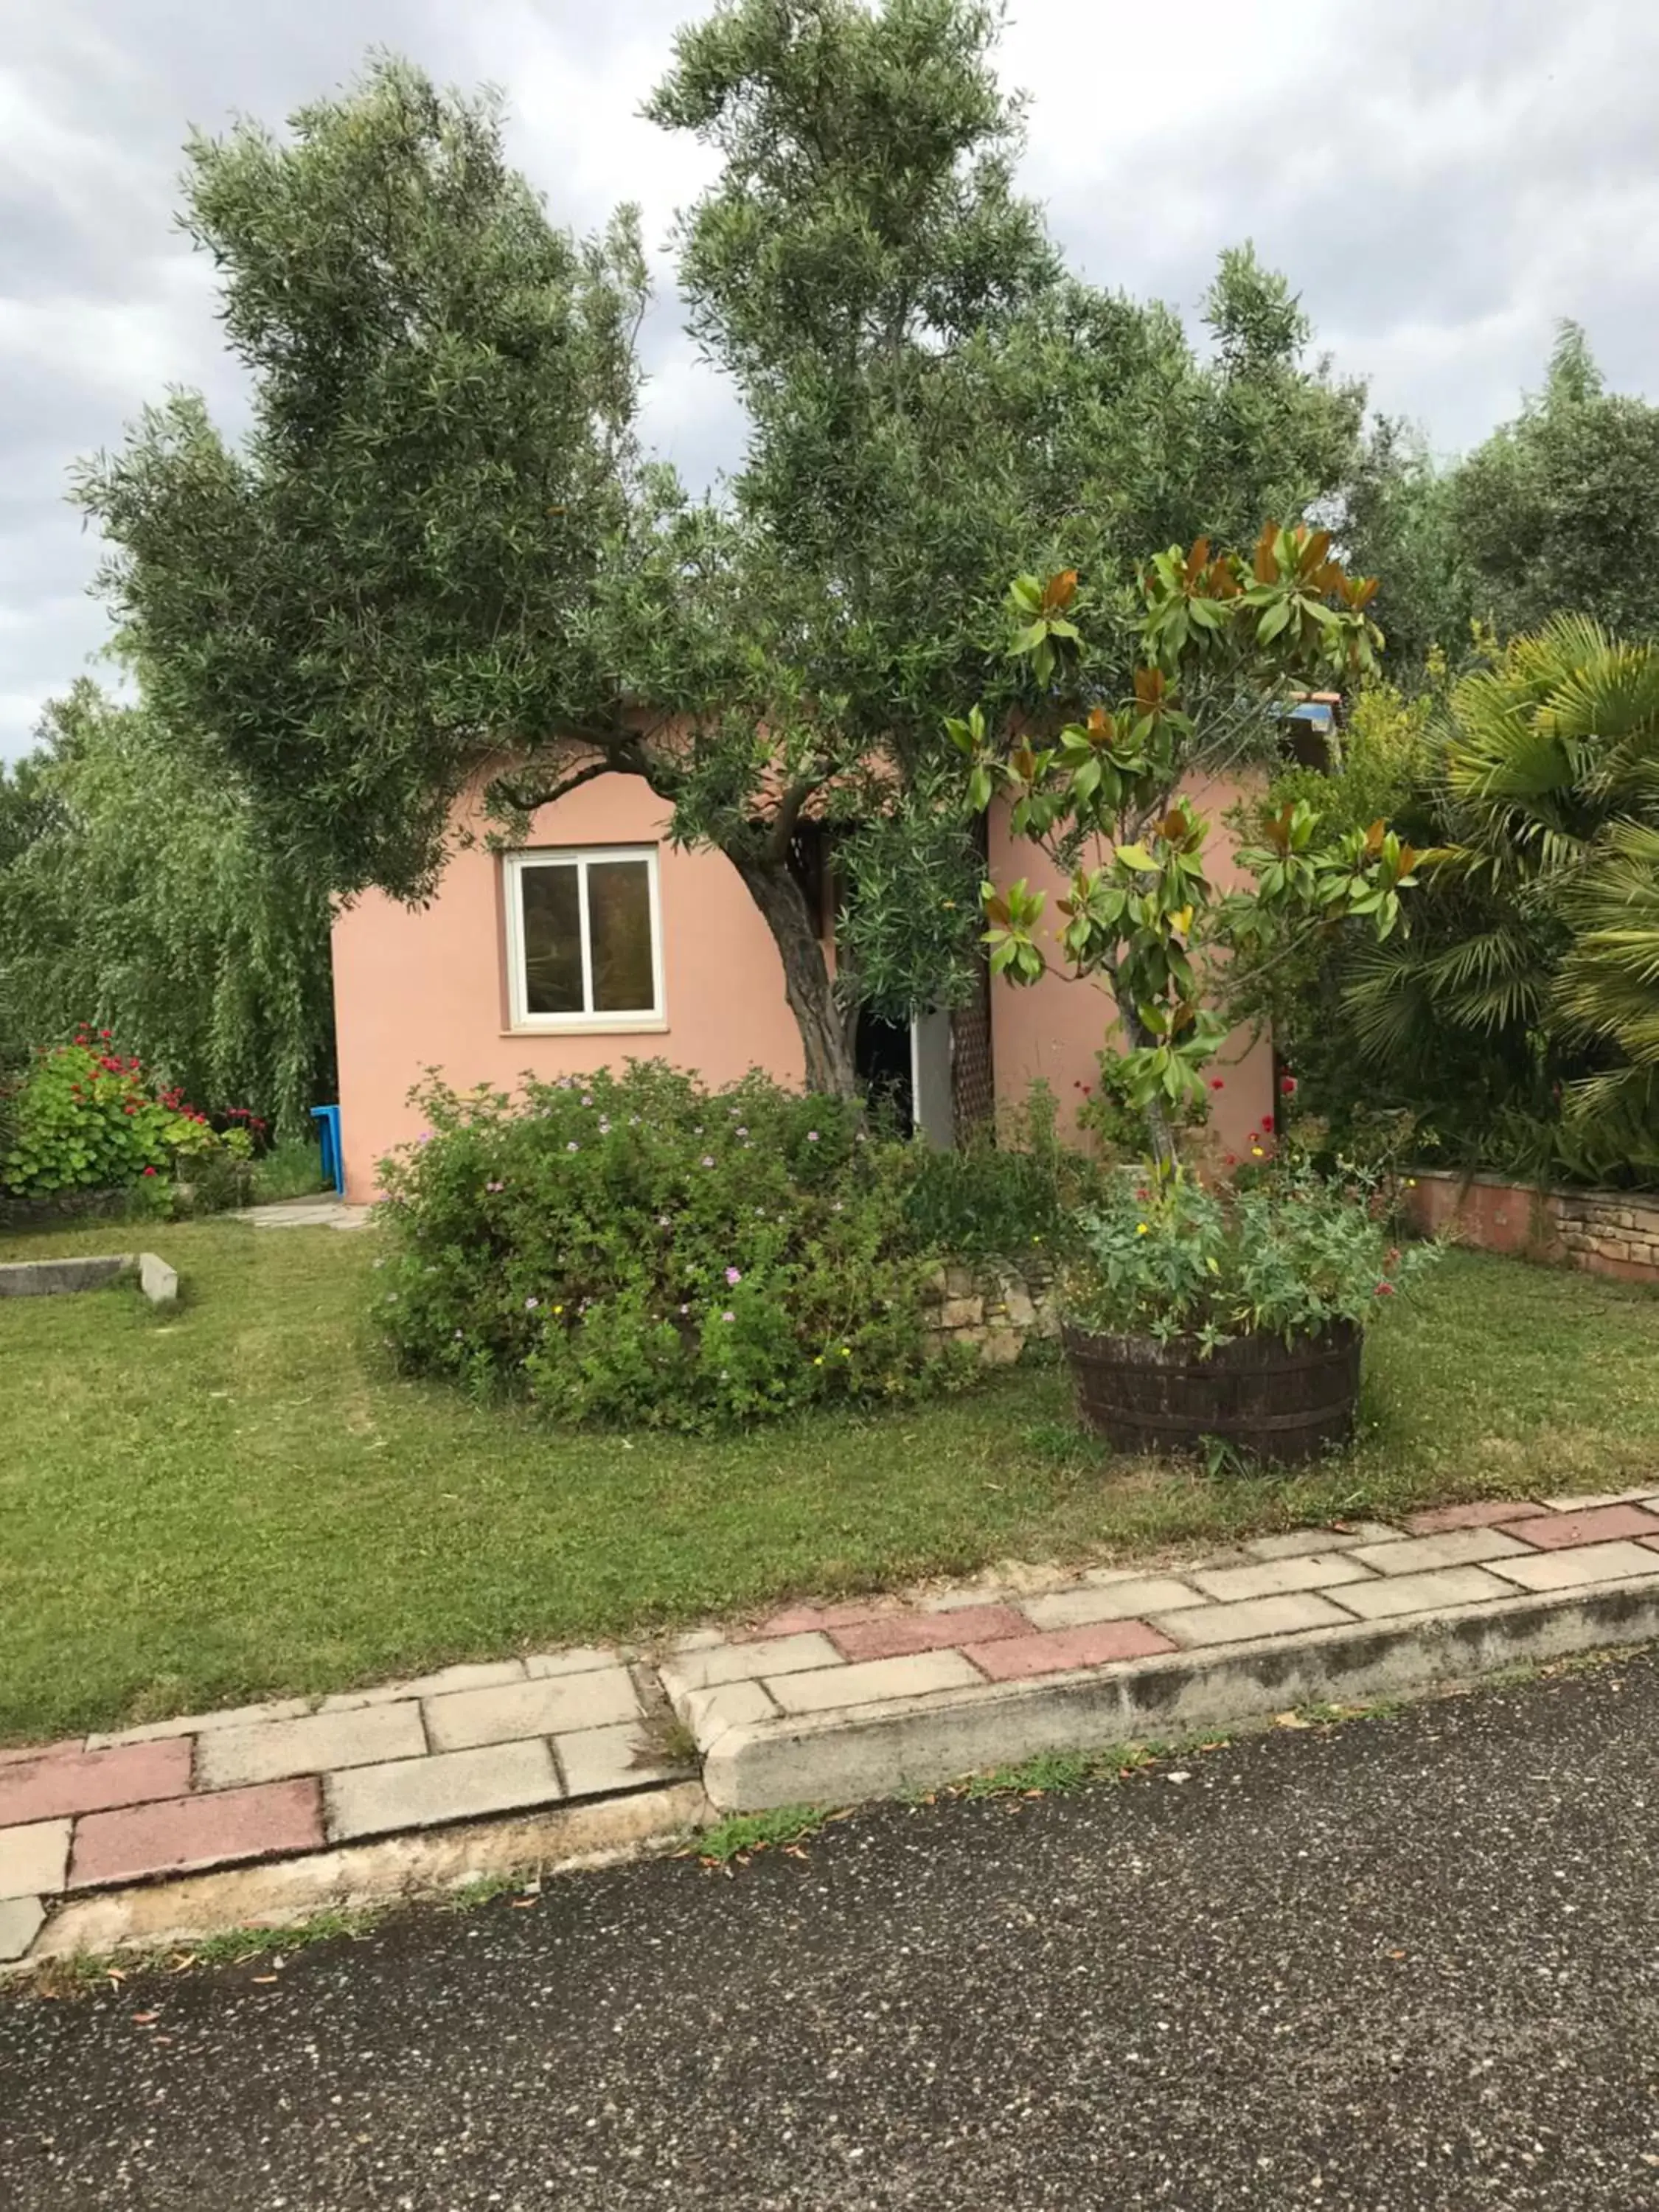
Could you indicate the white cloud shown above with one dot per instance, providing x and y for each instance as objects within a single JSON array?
[{"x": 1443, "y": 182}]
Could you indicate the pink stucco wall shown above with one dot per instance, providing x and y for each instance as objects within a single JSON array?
[
  {"x": 1055, "y": 1028},
  {"x": 415, "y": 988},
  {"x": 427, "y": 987}
]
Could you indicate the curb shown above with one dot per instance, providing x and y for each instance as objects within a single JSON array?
[
  {"x": 922, "y": 1742},
  {"x": 277, "y": 1892}
]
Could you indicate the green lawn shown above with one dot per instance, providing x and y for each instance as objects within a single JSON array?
[{"x": 236, "y": 1500}]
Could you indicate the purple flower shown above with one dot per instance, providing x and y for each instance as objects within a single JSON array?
[
  {"x": 733, "y": 1277},
  {"x": 494, "y": 1186},
  {"x": 530, "y": 1305},
  {"x": 425, "y": 1137},
  {"x": 811, "y": 1136},
  {"x": 706, "y": 1161},
  {"x": 743, "y": 1133},
  {"x": 728, "y": 1316},
  {"x": 587, "y": 1102}
]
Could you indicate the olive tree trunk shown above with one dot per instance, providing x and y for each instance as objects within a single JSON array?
[{"x": 825, "y": 1042}]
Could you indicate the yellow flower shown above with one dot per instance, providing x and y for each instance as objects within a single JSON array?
[
  {"x": 818, "y": 1361},
  {"x": 1410, "y": 1182},
  {"x": 847, "y": 1352},
  {"x": 1140, "y": 1229}
]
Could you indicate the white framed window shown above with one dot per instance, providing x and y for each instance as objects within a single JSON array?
[{"x": 584, "y": 938}]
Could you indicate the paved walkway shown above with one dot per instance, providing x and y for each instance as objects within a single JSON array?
[
  {"x": 835, "y": 1703},
  {"x": 1400, "y": 1965},
  {"x": 323, "y": 1212}
]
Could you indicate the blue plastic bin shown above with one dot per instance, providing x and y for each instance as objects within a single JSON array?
[{"x": 327, "y": 1119}]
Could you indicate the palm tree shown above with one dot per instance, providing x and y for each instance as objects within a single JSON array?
[{"x": 1532, "y": 969}]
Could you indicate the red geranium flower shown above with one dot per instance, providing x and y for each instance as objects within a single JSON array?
[
  {"x": 1384, "y": 1290},
  {"x": 1267, "y": 1123},
  {"x": 1287, "y": 1086},
  {"x": 149, "y": 1170},
  {"x": 1216, "y": 1083}
]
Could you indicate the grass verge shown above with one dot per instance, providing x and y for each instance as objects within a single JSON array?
[{"x": 235, "y": 1499}]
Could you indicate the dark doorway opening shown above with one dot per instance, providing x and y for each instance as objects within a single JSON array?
[{"x": 881, "y": 1054}]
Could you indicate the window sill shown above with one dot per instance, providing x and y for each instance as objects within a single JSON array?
[{"x": 622, "y": 1025}]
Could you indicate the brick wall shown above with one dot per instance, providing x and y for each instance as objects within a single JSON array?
[{"x": 1608, "y": 1232}]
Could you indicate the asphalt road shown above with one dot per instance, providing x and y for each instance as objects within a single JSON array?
[{"x": 1403, "y": 1963}]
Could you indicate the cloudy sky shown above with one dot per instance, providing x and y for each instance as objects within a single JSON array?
[{"x": 1442, "y": 179}]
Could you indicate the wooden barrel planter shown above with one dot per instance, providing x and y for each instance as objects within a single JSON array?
[{"x": 1278, "y": 1402}]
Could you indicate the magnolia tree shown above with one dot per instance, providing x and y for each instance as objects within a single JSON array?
[{"x": 1099, "y": 786}]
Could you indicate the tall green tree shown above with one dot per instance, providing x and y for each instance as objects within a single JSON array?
[
  {"x": 1558, "y": 512},
  {"x": 1520, "y": 1018},
  {"x": 438, "y": 555},
  {"x": 142, "y": 896}
]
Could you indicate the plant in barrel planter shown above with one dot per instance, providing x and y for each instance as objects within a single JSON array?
[{"x": 1193, "y": 1311}]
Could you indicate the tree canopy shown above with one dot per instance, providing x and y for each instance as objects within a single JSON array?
[
  {"x": 439, "y": 554},
  {"x": 139, "y": 896}
]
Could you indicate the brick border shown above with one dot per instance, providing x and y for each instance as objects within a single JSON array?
[{"x": 164, "y": 1830}]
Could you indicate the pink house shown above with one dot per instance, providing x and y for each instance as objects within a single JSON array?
[{"x": 599, "y": 941}]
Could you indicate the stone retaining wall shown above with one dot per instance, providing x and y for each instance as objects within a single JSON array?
[
  {"x": 998, "y": 1308},
  {"x": 1608, "y": 1232}
]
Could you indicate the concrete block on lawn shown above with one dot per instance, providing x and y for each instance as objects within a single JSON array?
[
  {"x": 553, "y": 1705},
  {"x": 157, "y": 1280},
  {"x": 47, "y": 1278},
  {"x": 838, "y": 1757},
  {"x": 34, "y": 1860},
  {"x": 316, "y": 1745},
  {"x": 456, "y": 1786}
]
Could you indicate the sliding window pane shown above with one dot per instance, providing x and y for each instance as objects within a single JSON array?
[
  {"x": 552, "y": 940},
  {"x": 619, "y": 926}
]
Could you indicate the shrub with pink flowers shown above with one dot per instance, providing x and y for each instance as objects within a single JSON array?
[
  {"x": 638, "y": 1249},
  {"x": 84, "y": 1116}
]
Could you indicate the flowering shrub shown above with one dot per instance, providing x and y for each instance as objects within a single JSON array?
[
  {"x": 1285, "y": 1251},
  {"x": 1008, "y": 1200},
  {"x": 637, "y": 1249},
  {"x": 83, "y": 1117}
]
